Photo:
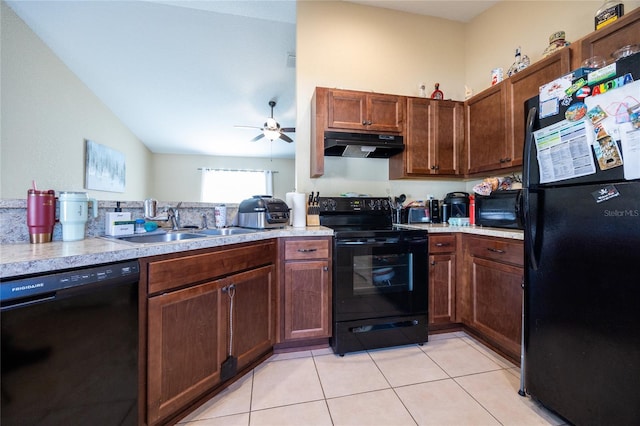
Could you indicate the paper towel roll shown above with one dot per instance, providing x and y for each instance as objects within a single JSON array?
[
  {"x": 299, "y": 209},
  {"x": 289, "y": 200}
]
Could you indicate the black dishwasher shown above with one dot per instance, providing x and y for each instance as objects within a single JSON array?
[{"x": 70, "y": 347}]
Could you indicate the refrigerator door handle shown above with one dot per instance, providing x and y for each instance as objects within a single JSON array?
[{"x": 526, "y": 177}]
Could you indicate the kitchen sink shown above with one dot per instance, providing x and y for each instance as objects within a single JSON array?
[
  {"x": 226, "y": 231},
  {"x": 161, "y": 237}
]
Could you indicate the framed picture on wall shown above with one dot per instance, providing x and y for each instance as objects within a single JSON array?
[{"x": 105, "y": 168}]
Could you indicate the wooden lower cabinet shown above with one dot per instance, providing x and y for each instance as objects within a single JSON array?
[
  {"x": 492, "y": 297},
  {"x": 306, "y": 290},
  {"x": 188, "y": 322},
  {"x": 187, "y": 334},
  {"x": 442, "y": 279}
]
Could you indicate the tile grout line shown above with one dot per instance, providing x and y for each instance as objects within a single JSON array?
[{"x": 324, "y": 395}]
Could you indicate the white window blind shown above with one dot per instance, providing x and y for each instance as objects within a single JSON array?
[{"x": 233, "y": 186}]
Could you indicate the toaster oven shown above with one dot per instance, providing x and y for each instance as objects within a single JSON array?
[{"x": 500, "y": 209}]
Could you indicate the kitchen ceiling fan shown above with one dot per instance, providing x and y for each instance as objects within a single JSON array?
[{"x": 271, "y": 129}]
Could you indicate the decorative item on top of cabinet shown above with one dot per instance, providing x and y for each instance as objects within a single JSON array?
[
  {"x": 442, "y": 280},
  {"x": 305, "y": 291},
  {"x": 351, "y": 111},
  {"x": 493, "y": 290},
  {"x": 188, "y": 321},
  {"x": 433, "y": 142}
]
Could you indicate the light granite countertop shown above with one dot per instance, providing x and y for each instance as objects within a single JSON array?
[
  {"x": 515, "y": 234},
  {"x": 23, "y": 258}
]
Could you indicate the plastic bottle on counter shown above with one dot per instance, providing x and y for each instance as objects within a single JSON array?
[{"x": 472, "y": 209}]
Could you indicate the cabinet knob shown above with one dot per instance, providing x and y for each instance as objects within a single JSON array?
[
  {"x": 507, "y": 160},
  {"x": 433, "y": 262},
  {"x": 325, "y": 268}
]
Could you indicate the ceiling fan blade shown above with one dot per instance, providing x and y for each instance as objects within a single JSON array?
[
  {"x": 260, "y": 136},
  {"x": 288, "y": 129},
  {"x": 247, "y": 127},
  {"x": 285, "y": 138}
]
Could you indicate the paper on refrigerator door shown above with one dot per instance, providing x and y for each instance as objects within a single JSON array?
[
  {"x": 564, "y": 151},
  {"x": 630, "y": 142}
]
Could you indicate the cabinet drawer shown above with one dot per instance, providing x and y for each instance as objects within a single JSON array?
[
  {"x": 442, "y": 243},
  {"x": 497, "y": 249},
  {"x": 306, "y": 249},
  {"x": 180, "y": 271}
]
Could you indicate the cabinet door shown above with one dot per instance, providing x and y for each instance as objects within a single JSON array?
[
  {"x": 254, "y": 313},
  {"x": 447, "y": 136},
  {"x": 442, "y": 287},
  {"x": 306, "y": 300},
  {"x": 346, "y": 110},
  {"x": 486, "y": 129},
  {"x": 524, "y": 85},
  {"x": 385, "y": 113},
  {"x": 186, "y": 342},
  {"x": 497, "y": 302},
  {"x": 416, "y": 153}
]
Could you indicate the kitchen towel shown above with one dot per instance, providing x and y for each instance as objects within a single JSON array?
[{"x": 299, "y": 210}]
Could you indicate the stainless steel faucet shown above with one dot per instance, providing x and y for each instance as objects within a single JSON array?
[
  {"x": 172, "y": 215},
  {"x": 204, "y": 224}
]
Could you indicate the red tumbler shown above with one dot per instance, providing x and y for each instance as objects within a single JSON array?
[{"x": 41, "y": 215}]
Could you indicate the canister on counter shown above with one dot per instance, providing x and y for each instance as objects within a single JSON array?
[{"x": 445, "y": 213}]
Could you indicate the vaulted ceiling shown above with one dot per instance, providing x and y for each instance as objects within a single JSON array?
[{"x": 182, "y": 74}]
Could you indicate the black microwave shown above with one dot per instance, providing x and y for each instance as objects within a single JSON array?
[{"x": 501, "y": 209}]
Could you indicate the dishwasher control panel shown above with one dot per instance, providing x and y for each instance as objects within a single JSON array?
[{"x": 50, "y": 283}]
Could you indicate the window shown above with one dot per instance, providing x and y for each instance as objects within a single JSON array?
[{"x": 233, "y": 186}]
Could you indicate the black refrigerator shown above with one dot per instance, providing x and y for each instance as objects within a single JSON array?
[{"x": 581, "y": 343}]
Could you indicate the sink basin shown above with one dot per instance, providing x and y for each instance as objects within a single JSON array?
[
  {"x": 161, "y": 238},
  {"x": 226, "y": 231}
]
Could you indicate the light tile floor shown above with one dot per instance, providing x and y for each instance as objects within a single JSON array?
[{"x": 451, "y": 380}]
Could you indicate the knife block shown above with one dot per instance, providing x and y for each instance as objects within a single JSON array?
[
  {"x": 313, "y": 215},
  {"x": 313, "y": 219}
]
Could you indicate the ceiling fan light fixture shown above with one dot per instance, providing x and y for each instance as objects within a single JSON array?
[{"x": 271, "y": 134}]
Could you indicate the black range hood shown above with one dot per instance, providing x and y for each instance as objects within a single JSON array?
[{"x": 361, "y": 145}]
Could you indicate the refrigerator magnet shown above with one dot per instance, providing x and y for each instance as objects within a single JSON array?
[
  {"x": 607, "y": 153},
  {"x": 576, "y": 112},
  {"x": 596, "y": 114},
  {"x": 605, "y": 193}
]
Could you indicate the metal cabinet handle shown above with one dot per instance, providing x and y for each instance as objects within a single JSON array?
[
  {"x": 494, "y": 250},
  {"x": 442, "y": 244},
  {"x": 325, "y": 268},
  {"x": 307, "y": 250},
  {"x": 433, "y": 262}
]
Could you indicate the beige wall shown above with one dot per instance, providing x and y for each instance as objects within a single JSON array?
[
  {"x": 177, "y": 178},
  {"x": 47, "y": 113}
]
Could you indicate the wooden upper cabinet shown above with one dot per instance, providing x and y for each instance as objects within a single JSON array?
[
  {"x": 495, "y": 118},
  {"x": 486, "y": 129},
  {"x": 434, "y": 134},
  {"x": 607, "y": 40},
  {"x": 351, "y": 110},
  {"x": 525, "y": 85}
]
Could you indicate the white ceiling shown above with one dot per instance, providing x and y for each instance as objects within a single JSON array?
[{"x": 181, "y": 74}]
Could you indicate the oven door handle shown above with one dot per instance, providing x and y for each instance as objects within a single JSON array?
[{"x": 366, "y": 243}]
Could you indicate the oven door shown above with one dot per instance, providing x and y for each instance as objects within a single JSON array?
[{"x": 377, "y": 277}]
